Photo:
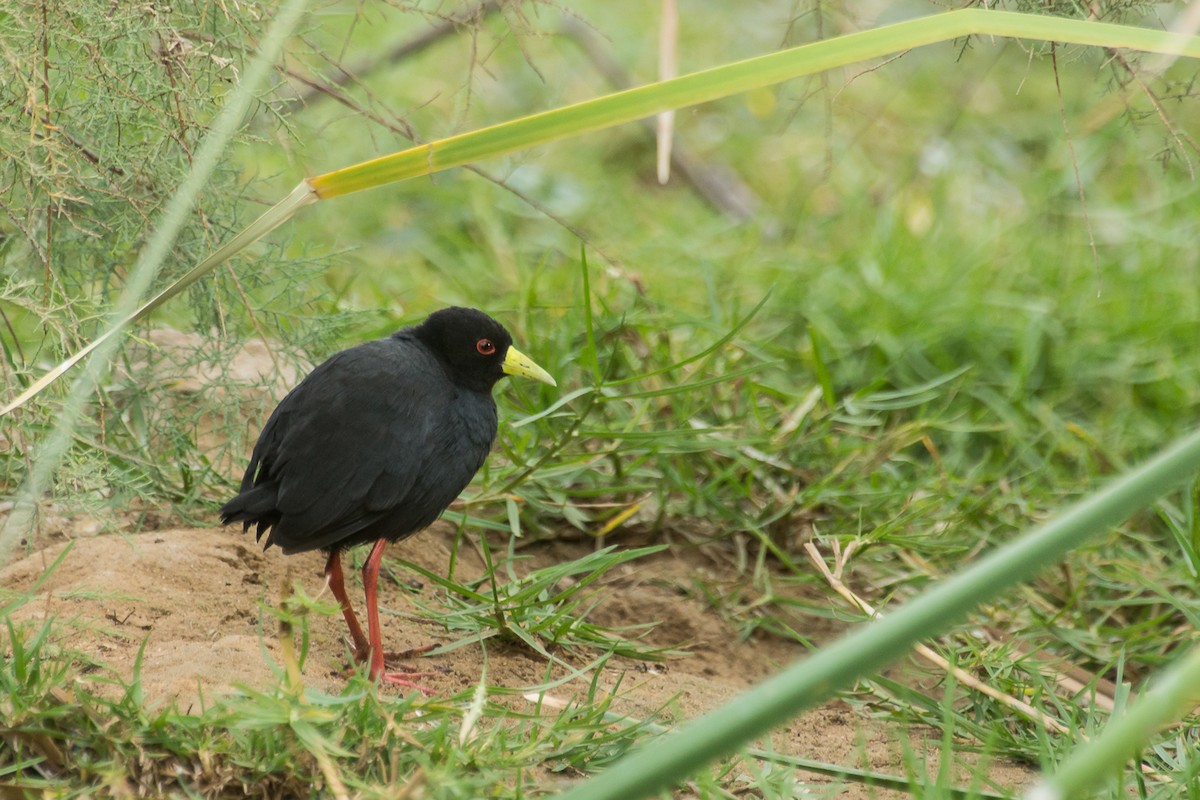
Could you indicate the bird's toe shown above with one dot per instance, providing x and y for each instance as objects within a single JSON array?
[
  {"x": 405, "y": 679},
  {"x": 409, "y": 653}
]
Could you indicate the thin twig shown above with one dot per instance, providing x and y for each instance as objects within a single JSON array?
[
  {"x": 668, "y": 67},
  {"x": 400, "y": 52},
  {"x": 834, "y": 579},
  {"x": 718, "y": 184}
]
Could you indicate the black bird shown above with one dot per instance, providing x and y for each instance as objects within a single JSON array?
[{"x": 374, "y": 445}]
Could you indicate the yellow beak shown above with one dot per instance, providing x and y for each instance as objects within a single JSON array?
[{"x": 517, "y": 363}]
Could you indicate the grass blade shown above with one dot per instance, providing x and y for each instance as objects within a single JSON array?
[
  {"x": 731, "y": 79},
  {"x": 872, "y": 646},
  {"x": 1174, "y": 694}
]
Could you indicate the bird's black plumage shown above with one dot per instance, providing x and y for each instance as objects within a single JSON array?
[{"x": 377, "y": 441}]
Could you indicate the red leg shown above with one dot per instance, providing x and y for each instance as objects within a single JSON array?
[
  {"x": 333, "y": 576},
  {"x": 371, "y": 586}
]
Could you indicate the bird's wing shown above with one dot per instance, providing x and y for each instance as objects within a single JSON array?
[{"x": 351, "y": 441}]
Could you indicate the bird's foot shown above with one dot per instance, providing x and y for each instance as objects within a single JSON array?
[{"x": 407, "y": 676}]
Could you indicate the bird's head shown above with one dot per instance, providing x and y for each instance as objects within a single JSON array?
[{"x": 476, "y": 349}]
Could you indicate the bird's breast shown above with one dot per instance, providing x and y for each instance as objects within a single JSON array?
[{"x": 474, "y": 417}]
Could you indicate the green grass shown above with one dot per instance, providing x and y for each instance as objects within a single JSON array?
[
  {"x": 281, "y": 743},
  {"x": 911, "y": 346}
]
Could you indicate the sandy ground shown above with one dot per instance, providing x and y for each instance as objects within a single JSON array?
[{"x": 195, "y": 598}]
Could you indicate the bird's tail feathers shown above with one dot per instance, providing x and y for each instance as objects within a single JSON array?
[{"x": 256, "y": 506}]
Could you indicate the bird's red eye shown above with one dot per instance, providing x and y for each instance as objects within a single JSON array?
[{"x": 485, "y": 347}]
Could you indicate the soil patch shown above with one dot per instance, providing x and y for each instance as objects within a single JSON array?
[{"x": 195, "y": 598}]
